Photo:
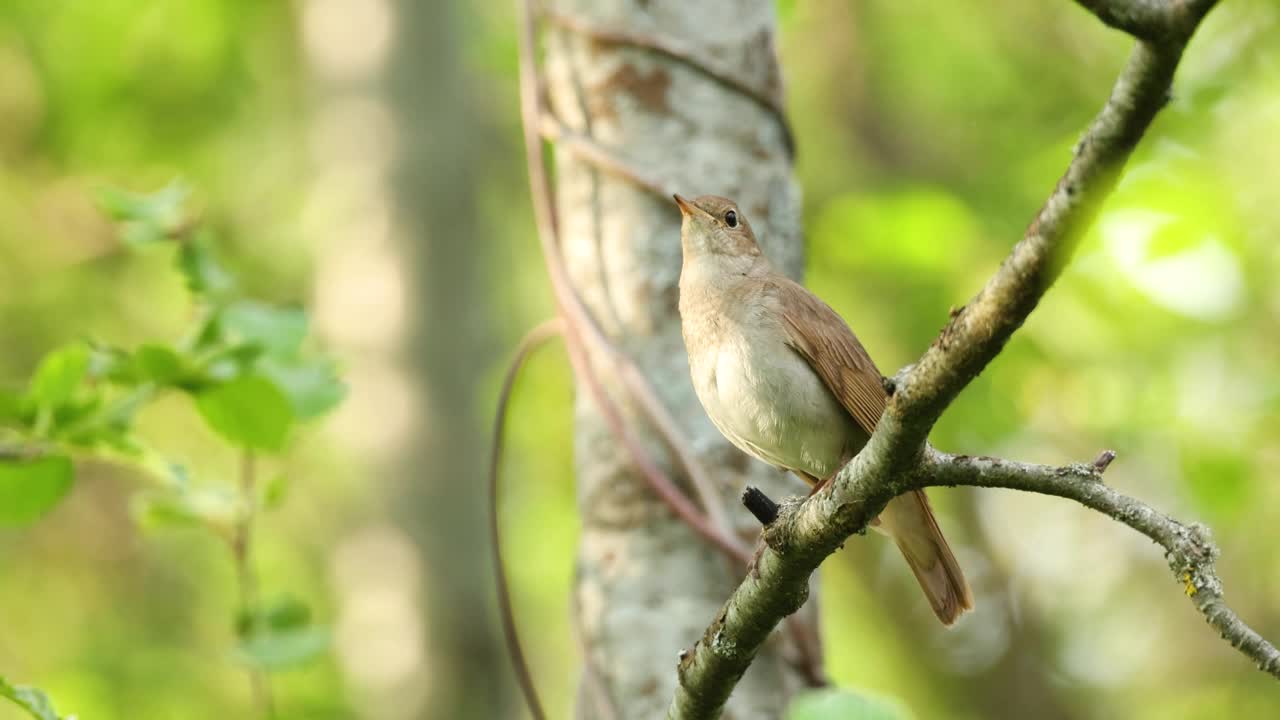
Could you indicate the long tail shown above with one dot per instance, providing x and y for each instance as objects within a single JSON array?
[{"x": 909, "y": 520}]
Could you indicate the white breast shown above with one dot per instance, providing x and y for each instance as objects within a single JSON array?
[{"x": 770, "y": 403}]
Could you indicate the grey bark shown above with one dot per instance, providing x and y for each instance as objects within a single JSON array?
[{"x": 646, "y": 584}]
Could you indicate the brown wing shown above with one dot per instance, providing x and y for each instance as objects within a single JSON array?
[{"x": 824, "y": 340}]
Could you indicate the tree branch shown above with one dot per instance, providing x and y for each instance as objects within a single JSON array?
[
  {"x": 897, "y": 458},
  {"x": 978, "y": 332},
  {"x": 1189, "y": 548}
]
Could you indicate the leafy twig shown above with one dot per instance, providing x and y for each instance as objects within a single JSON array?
[{"x": 246, "y": 576}]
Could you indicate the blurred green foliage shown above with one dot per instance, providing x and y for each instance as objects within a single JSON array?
[
  {"x": 928, "y": 135},
  {"x": 242, "y": 363}
]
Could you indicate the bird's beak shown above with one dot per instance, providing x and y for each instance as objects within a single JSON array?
[{"x": 685, "y": 206}]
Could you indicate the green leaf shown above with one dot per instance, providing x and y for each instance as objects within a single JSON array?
[
  {"x": 59, "y": 375},
  {"x": 111, "y": 363},
  {"x": 34, "y": 701},
  {"x": 249, "y": 411},
  {"x": 841, "y": 704},
  {"x": 69, "y": 420},
  {"x": 284, "y": 613},
  {"x": 229, "y": 363},
  {"x": 271, "y": 649},
  {"x": 158, "y": 364},
  {"x": 279, "y": 330},
  {"x": 204, "y": 273},
  {"x": 30, "y": 488},
  {"x": 180, "y": 506},
  {"x": 147, "y": 218},
  {"x": 312, "y": 385}
]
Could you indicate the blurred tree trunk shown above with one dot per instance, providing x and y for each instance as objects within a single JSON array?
[
  {"x": 444, "y": 139},
  {"x": 646, "y": 585}
]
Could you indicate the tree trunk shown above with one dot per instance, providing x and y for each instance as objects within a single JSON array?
[
  {"x": 646, "y": 585},
  {"x": 445, "y": 234}
]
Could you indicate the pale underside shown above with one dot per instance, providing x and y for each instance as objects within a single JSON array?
[
  {"x": 770, "y": 403},
  {"x": 758, "y": 390}
]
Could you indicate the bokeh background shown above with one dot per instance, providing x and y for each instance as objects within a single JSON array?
[{"x": 362, "y": 157}]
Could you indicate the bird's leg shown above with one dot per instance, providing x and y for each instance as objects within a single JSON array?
[{"x": 819, "y": 484}]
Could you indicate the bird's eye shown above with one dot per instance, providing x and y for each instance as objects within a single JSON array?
[{"x": 731, "y": 219}]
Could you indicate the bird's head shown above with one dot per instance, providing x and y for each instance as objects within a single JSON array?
[{"x": 714, "y": 225}]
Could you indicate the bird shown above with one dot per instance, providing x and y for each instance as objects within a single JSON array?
[{"x": 785, "y": 380}]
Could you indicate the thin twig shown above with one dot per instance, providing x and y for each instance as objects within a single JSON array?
[
  {"x": 530, "y": 342},
  {"x": 1189, "y": 548},
  {"x": 717, "y": 70},
  {"x": 247, "y": 579}
]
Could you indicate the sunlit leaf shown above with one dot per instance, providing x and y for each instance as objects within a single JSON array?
[
  {"x": 179, "y": 506},
  {"x": 58, "y": 376},
  {"x": 158, "y": 364},
  {"x": 312, "y": 385},
  {"x": 146, "y": 218},
  {"x": 111, "y": 363},
  {"x": 204, "y": 273},
  {"x": 249, "y": 411},
  {"x": 207, "y": 334},
  {"x": 842, "y": 704},
  {"x": 231, "y": 362},
  {"x": 34, "y": 701},
  {"x": 70, "y": 419},
  {"x": 277, "y": 329},
  {"x": 29, "y": 488}
]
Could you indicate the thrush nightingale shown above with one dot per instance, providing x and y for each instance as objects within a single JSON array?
[{"x": 785, "y": 380}]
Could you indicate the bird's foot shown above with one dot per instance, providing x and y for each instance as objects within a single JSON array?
[{"x": 824, "y": 482}]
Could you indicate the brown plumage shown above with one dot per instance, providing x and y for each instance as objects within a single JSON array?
[{"x": 785, "y": 379}]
